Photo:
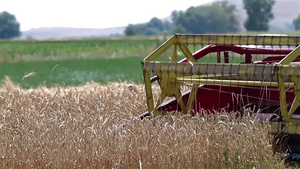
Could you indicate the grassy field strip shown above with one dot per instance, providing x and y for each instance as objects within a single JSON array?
[
  {"x": 73, "y": 72},
  {"x": 15, "y": 51}
]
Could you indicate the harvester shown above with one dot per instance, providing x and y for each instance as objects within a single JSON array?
[{"x": 212, "y": 73}]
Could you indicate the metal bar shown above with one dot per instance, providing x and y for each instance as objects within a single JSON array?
[
  {"x": 296, "y": 101},
  {"x": 226, "y": 57},
  {"x": 288, "y": 128},
  {"x": 293, "y": 128},
  {"x": 238, "y": 40},
  {"x": 282, "y": 96},
  {"x": 239, "y": 50},
  {"x": 291, "y": 56},
  {"x": 231, "y": 82},
  {"x": 174, "y": 55},
  {"x": 148, "y": 88},
  {"x": 179, "y": 99},
  {"x": 185, "y": 50},
  {"x": 223, "y": 68},
  {"x": 161, "y": 49},
  {"x": 218, "y": 57},
  {"x": 209, "y": 68},
  {"x": 158, "y": 102},
  {"x": 192, "y": 97}
]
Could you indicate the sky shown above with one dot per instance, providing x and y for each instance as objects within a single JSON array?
[{"x": 91, "y": 13}]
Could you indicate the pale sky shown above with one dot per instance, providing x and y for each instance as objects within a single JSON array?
[{"x": 91, "y": 13}]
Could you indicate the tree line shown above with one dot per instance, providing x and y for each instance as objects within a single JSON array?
[{"x": 218, "y": 17}]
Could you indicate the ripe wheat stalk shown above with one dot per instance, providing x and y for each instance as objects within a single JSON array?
[
  {"x": 95, "y": 126},
  {"x": 29, "y": 75}
]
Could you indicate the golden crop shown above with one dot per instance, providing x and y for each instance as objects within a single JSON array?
[{"x": 95, "y": 126}]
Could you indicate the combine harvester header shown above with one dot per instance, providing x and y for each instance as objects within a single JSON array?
[{"x": 210, "y": 73}]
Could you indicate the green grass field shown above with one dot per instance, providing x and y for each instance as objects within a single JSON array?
[
  {"x": 74, "y": 62},
  {"x": 73, "y": 72},
  {"x": 22, "y": 50}
]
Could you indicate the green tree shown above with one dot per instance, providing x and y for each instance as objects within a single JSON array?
[
  {"x": 259, "y": 14},
  {"x": 174, "y": 15},
  {"x": 9, "y": 26},
  {"x": 168, "y": 26},
  {"x": 216, "y": 18},
  {"x": 153, "y": 27},
  {"x": 156, "y": 23},
  {"x": 130, "y": 30},
  {"x": 296, "y": 23}
]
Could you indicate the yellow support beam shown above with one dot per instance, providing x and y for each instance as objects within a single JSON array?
[
  {"x": 291, "y": 56},
  {"x": 161, "y": 49},
  {"x": 192, "y": 97},
  {"x": 282, "y": 98},
  {"x": 162, "y": 97},
  {"x": 174, "y": 55},
  {"x": 288, "y": 128},
  {"x": 223, "y": 68},
  {"x": 286, "y": 114},
  {"x": 296, "y": 101},
  {"x": 148, "y": 88},
  {"x": 230, "y": 82},
  {"x": 185, "y": 50},
  {"x": 238, "y": 39}
]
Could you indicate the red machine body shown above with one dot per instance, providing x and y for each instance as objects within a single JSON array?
[{"x": 234, "y": 98}]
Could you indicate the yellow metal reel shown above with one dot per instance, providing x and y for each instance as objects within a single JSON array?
[{"x": 172, "y": 74}]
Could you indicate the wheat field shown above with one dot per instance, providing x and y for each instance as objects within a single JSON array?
[{"x": 95, "y": 126}]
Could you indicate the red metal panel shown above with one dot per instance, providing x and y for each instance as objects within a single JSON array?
[{"x": 231, "y": 98}]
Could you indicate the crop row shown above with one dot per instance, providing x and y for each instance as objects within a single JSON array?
[{"x": 82, "y": 48}]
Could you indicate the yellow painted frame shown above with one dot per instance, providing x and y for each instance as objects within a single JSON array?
[{"x": 168, "y": 70}]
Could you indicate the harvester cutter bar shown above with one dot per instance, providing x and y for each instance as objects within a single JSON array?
[{"x": 188, "y": 68}]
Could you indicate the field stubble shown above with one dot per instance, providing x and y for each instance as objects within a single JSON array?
[{"x": 95, "y": 126}]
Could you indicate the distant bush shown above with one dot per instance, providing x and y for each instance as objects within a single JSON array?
[
  {"x": 154, "y": 27},
  {"x": 296, "y": 23},
  {"x": 9, "y": 26}
]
